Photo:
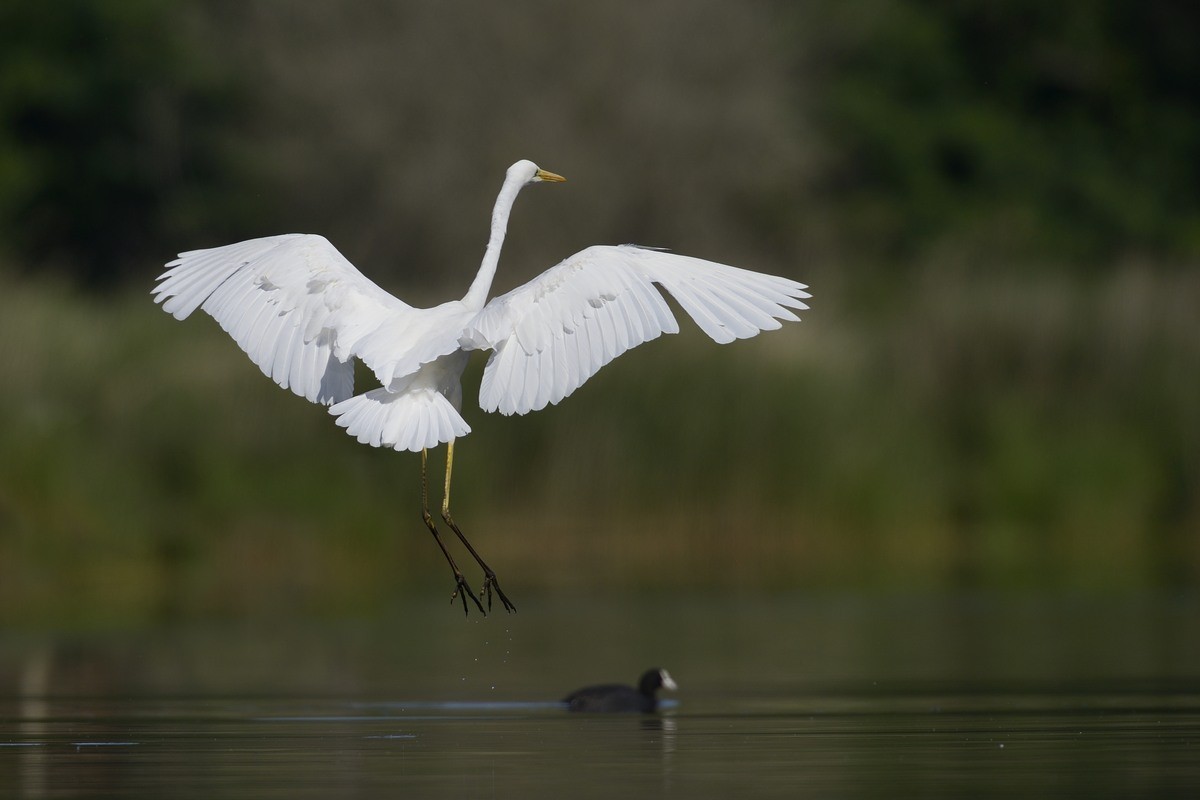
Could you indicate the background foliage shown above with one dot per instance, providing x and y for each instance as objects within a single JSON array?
[
  {"x": 995, "y": 205},
  {"x": 1026, "y": 132}
]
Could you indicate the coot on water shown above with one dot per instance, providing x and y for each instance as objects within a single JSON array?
[{"x": 612, "y": 697}]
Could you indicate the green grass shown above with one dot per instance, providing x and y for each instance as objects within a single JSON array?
[{"x": 983, "y": 433}]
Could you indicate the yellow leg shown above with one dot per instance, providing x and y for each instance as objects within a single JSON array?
[
  {"x": 489, "y": 577},
  {"x": 461, "y": 589},
  {"x": 449, "y": 469}
]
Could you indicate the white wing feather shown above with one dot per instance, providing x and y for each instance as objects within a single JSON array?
[
  {"x": 552, "y": 334},
  {"x": 300, "y": 310}
]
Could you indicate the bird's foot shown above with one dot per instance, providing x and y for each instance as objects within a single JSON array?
[
  {"x": 490, "y": 583},
  {"x": 463, "y": 591}
]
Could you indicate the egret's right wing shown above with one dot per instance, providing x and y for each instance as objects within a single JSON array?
[
  {"x": 555, "y": 332},
  {"x": 295, "y": 305}
]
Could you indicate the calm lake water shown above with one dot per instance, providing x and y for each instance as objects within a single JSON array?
[{"x": 790, "y": 696}]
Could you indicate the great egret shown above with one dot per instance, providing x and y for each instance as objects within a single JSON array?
[{"x": 302, "y": 312}]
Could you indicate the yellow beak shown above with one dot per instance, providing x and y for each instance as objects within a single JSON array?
[{"x": 549, "y": 176}]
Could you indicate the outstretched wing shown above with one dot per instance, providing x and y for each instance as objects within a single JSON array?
[
  {"x": 295, "y": 305},
  {"x": 558, "y": 330}
]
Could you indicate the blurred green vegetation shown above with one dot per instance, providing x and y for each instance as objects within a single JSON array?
[
  {"x": 961, "y": 446},
  {"x": 996, "y": 207},
  {"x": 1023, "y": 131},
  {"x": 114, "y": 125}
]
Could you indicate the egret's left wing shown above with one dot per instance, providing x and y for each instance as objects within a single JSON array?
[
  {"x": 558, "y": 330},
  {"x": 299, "y": 309}
]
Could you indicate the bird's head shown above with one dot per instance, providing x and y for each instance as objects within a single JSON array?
[
  {"x": 529, "y": 172},
  {"x": 654, "y": 679}
]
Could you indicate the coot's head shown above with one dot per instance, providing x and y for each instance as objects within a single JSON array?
[{"x": 655, "y": 679}]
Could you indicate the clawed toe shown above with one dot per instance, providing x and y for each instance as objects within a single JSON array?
[
  {"x": 490, "y": 583},
  {"x": 463, "y": 591}
]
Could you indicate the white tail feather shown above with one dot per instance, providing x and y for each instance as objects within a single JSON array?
[{"x": 414, "y": 419}]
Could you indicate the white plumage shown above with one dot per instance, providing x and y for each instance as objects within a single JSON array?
[
  {"x": 555, "y": 332},
  {"x": 302, "y": 312}
]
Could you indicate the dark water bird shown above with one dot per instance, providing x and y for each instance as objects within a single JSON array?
[
  {"x": 617, "y": 697},
  {"x": 304, "y": 314}
]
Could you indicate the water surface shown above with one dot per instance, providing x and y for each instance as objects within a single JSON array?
[{"x": 779, "y": 697}]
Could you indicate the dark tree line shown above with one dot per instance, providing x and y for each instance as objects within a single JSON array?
[{"x": 1065, "y": 132}]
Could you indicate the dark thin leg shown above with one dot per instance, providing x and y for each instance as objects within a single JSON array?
[
  {"x": 489, "y": 577},
  {"x": 461, "y": 589}
]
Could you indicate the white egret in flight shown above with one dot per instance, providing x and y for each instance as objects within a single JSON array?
[{"x": 302, "y": 312}]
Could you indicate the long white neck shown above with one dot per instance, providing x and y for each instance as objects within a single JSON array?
[{"x": 477, "y": 295}]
